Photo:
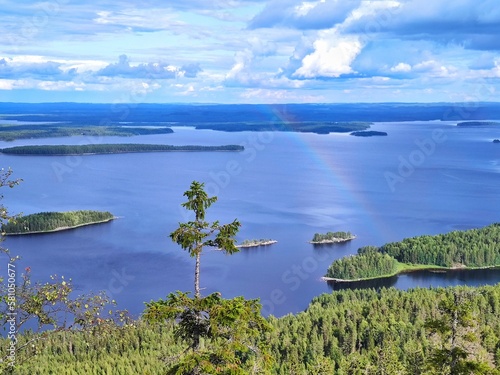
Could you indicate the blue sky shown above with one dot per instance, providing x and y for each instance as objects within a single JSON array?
[{"x": 250, "y": 51}]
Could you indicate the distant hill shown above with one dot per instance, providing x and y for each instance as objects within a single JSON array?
[{"x": 194, "y": 114}]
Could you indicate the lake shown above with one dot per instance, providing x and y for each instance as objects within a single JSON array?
[{"x": 425, "y": 177}]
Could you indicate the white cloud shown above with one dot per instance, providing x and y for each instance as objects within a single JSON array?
[
  {"x": 7, "y": 84},
  {"x": 433, "y": 68},
  {"x": 60, "y": 86},
  {"x": 304, "y": 8},
  {"x": 141, "y": 18},
  {"x": 401, "y": 68},
  {"x": 279, "y": 96},
  {"x": 332, "y": 56}
]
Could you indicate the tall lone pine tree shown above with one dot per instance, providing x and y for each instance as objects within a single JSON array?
[
  {"x": 193, "y": 236},
  {"x": 224, "y": 336}
]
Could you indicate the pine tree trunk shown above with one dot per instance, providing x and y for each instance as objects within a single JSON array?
[{"x": 197, "y": 293}]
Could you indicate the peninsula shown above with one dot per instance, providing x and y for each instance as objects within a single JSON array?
[
  {"x": 471, "y": 249},
  {"x": 120, "y": 148},
  {"x": 11, "y": 132},
  {"x": 318, "y": 127},
  {"x": 46, "y": 222},
  {"x": 256, "y": 243},
  {"x": 332, "y": 237}
]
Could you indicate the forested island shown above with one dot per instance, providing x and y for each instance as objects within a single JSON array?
[
  {"x": 302, "y": 127},
  {"x": 256, "y": 243},
  {"x": 475, "y": 248},
  {"x": 44, "y": 222},
  {"x": 110, "y": 149},
  {"x": 478, "y": 123},
  {"x": 26, "y": 131},
  {"x": 368, "y": 133},
  {"x": 332, "y": 237},
  {"x": 496, "y": 141}
]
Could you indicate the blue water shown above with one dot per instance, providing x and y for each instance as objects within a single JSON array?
[{"x": 284, "y": 186}]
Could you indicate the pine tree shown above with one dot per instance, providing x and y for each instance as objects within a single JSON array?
[
  {"x": 193, "y": 236},
  {"x": 455, "y": 332},
  {"x": 223, "y": 336}
]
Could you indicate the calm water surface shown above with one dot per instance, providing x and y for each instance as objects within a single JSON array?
[{"x": 284, "y": 186}]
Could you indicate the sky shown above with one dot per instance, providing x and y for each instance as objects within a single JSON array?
[{"x": 249, "y": 51}]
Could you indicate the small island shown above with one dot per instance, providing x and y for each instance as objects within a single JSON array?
[
  {"x": 472, "y": 124},
  {"x": 368, "y": 133},
  {"x": 119, "y": 148},
  {"x": 471, "y": 249},
  {"x": 256, "y": 243},
  {"x": 332, "y": 237},
  {"x": 46, "y": 222},
  {"x": 496, "y": 141}
]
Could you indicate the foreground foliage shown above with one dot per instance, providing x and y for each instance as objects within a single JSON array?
[
  {"x": 223, "y": 336},
  {"x": 345, "y": 332}
]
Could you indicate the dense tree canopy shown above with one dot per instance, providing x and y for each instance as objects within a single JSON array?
[
  {"x": 362, "y": 266},
  {"x": 50, "y": 221},
  {"x": 457, "y": 249},
  {"x": 471, "y": 248},
  {"x": 111, "y": 148},
  {"x": 17, "y": 131},
  {"x": 345, "y": 332}
]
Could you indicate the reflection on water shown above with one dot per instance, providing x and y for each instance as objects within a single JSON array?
[
  {"x": 426, "y": 279},
  {"x": 385, "y": 282}
]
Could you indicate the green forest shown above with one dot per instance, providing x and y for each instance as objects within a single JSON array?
[
  {"x": 302, "y": 126},
  {"x": 110, "y": 149},
  {"x": 25, "y": 131},
  {"x": 346, "y": 332},
  {"x": 51, "y": 221},
  {"x": 472, "y": 248},
  {"x": 363, "y": 266}
]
